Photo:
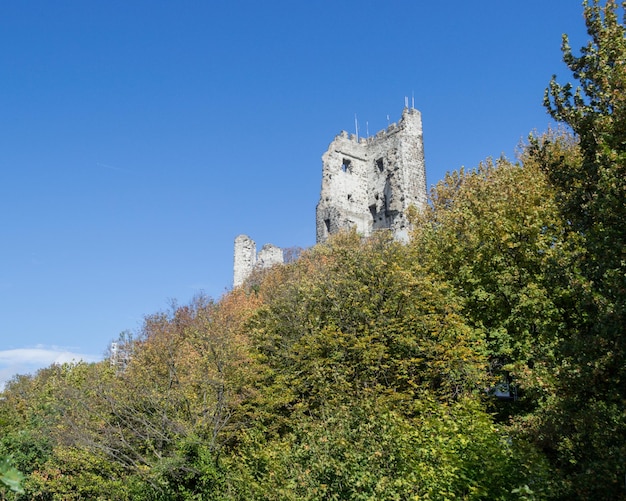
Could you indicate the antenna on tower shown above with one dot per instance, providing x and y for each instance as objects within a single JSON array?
[
  {"x": 406, "y": 101},
  {"x": 413, "y": 99},
  {"x": 367, "y": 128},
  {"x": 356, "y": 127},
  {"x": 387, "y": 120}
]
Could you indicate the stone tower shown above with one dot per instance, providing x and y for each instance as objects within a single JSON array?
[{"x": 369, "y": 183}]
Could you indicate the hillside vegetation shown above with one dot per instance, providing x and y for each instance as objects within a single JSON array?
[{"x": 485, "y": 359}]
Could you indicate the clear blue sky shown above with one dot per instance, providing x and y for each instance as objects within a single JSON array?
[{"x": 138, "y": 138}]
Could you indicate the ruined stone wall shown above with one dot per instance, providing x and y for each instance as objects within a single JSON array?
[
  {"x": 269, "y": 255},
  {"x": 369, "y": 183},
  {"x": 247, "y": 260}
]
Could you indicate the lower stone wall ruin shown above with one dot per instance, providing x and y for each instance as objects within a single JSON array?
[{"x": 247, "y": 260}]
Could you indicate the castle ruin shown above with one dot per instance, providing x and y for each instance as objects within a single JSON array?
[
  {"x": 247, "y": 259},
  {"x": 368, "y": 183}
]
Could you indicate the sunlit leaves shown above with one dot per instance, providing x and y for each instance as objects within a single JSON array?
[
  {"x": 584, "y": 424},
  {"x": 368, "y": 318},
  {"x": 363, "y": 449},
  {"x": 492, "y": 233}
]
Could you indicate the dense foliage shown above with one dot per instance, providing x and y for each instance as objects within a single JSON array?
[{"x": 484, "y": 359}]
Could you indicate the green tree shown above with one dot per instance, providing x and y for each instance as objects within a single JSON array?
[
  {"x": 584, "y": 426},
  {"x": 365, "y": 450},
  {"x": 492, "y": 234},
  {"x": 30, "y": 412},
  {"x": 373, "y": 385},
  {"x": 362, "y": 315},
  {"x": 592, "y": 192}
]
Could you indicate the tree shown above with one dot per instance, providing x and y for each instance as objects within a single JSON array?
[
  {"x": 584, "y": 426},
  {"x": 492, "y": 234},
  {"x": 364, "y": 449},
  {"x": 373, "y": 385},
  {"x": 362, "y": 315},
  {"x": 592, "y": 192},
  {"x": 151, "y": 428},
  {"x": 164, "y": 419}
]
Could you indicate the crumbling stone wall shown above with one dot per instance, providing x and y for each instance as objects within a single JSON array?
[
  {"x": 369, "y": 183},
  {"x": 269, "y": 255},
  {"x": 247, "y": 260}
]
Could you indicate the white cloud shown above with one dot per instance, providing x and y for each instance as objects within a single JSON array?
[{"x": 29, "y": 360}]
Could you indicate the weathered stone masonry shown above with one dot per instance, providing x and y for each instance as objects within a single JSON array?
[
  {"x": 367, "y": 183},
  {"x": 246, "y": 258}
]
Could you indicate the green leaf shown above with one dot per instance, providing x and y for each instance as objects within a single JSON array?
[{"x": 10, "y": 476}]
